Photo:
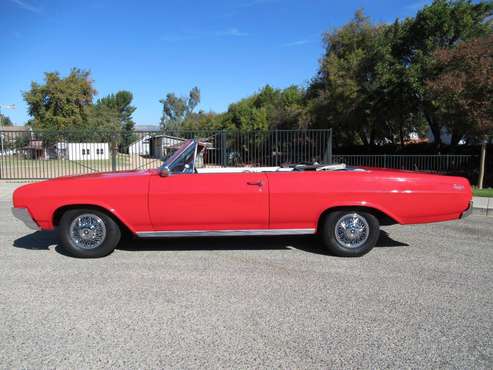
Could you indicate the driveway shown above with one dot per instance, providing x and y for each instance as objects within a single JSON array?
[{"x": 422, "y": 298}]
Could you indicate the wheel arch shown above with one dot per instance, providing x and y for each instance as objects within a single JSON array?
[
  {"x": 383, "y": 217},
  {"x": 57, "y": 215}
]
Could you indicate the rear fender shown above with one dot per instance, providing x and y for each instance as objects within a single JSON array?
[{"x": 363, "y": 204}]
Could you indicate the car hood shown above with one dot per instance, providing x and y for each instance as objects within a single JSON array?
[
  {"x": 83, "y": 186},
  {"x": 104, "y": 175}
]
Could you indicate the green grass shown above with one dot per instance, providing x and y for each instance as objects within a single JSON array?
[
  {"x": 13, "y": 167},
  {"x": 483, "y": 192}
]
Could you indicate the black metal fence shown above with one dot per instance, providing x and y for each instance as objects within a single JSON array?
[
  {"x": 39, "y": 154},
  {"x": 440, "y": 163}
]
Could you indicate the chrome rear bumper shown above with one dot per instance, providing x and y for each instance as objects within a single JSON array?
[
  {"x": 24, "y": 215},
  {"x": 468, "y": 211}
]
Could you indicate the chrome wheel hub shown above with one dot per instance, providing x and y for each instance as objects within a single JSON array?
[
  {"x": 352, "y": 230},
  {"x": 88, "y": 231},
  {"x": 87, "y": 234}
]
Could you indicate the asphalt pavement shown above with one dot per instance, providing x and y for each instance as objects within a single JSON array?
[{"x": 421, "y": 299}]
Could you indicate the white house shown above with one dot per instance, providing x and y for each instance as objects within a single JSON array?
[
  {"x": 161, "y": 145},
  {"x": 87, "y": 151},
  {"x": 140, "y": 147}
]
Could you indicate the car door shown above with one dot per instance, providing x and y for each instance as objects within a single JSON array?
[
  {"x": 298, "y": 198},
  {"x": 209, "y": 201}
]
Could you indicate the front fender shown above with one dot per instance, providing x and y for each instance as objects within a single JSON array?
[{"x": 56, "y": 214}]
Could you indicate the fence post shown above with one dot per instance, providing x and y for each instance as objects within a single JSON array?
[
  {"x": 114, "y": 151},
  {"x": 482, "y": 163},
  {"x": 327, "y": 157},
  {"x": 2, "y": 151},
  {"x": 223, "y": 148},
  {"x": 329, "y": 147},
  {"x": 276, "y": 147}
]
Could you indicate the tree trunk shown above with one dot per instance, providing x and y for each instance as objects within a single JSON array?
[
  {"x": 372, "y": 137},
  {"x": 363, "y": 138},
  {"x": 482, "y": 162},
  {"x": 435, "y": 129},
  {"x": 401, "y": 132},
  {"x": 455, "y": 138}
]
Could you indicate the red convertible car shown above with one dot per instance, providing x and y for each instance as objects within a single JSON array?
[{"x": 344, "y": 205}]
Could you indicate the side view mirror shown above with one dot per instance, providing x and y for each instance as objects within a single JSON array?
[{"x": 164, "y": 172}]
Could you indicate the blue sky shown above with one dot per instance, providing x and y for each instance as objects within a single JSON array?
[{"x": 229, "y": 49}]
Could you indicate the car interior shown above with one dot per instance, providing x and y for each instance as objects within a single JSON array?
[{"x": 183, "y": 161}]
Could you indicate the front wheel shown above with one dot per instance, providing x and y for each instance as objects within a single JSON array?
[
  {"x": 350, "y": 233},
  {"x": 88, "y": 233}
]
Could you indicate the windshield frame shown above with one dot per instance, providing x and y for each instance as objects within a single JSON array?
[{"x": 178, "y": 155}]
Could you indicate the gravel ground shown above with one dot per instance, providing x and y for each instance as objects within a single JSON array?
[{"x": 421, "y": 299}]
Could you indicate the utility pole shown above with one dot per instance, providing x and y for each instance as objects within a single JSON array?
[{"x": 6, "y": 106}]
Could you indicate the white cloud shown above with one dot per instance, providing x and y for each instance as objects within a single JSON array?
[
  {"x": 417, "y": 5},
  {"x": 177, "y": 38},
  {"x": 26, "y": 6},
  {"x": 236, "y": 8},
  {"x": 251, "y": 3},
  {"x": 231, "y": 32},
  {"x": 297, "y": 43}
]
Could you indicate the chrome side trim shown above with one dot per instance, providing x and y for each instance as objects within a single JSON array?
[
  {"x": 468, "y": 211},
  {"x": 253, "y": 232},
  {"x": 24, "y": 215}
]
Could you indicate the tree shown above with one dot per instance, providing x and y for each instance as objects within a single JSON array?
[
  {"x": 60, "y": 103},
  {"x": 269, "y": 108},
  {"x": 103, "y": 119},
  {"x": 5, "y": 121},
  {"x": 121, "y": 104},
  {"x": 349, "y": 93},
  {"x": 371, "y": 85},
  {"x": 201, "y": 121},
  {"x": 284, "y": 107},
  {"x": 441, "y": 25},
  {"x": 463, "y": 89},
  {"x": 177, "y": 109},
  {"x": 244, "y": 115}
]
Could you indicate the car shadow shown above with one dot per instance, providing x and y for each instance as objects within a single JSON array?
[
  {"x": 385, "y": 241},
  {"x": 43, "y": 240},
  {"x": 221, "y": 243},
  {"x": 40, "y": 240}
]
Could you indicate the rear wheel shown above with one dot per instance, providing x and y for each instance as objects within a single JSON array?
[
  {"x": 88, "y": 233},
  {"x": 350, "y": 233}
]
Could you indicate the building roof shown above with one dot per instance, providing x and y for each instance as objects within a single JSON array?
[
  {"x": 146, "y": 128},
  {"x": 15, "y": 128},
  {"x": 34, "y": 144}
]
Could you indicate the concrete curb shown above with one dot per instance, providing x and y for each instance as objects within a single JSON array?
[{"x": 482, "y": 206}]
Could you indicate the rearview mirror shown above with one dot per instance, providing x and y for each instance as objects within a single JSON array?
[{"x": 164, "y": 172}]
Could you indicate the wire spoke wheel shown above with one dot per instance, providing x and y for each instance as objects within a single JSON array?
[
  {"x": 87, "y": 231},
  {"x": 352, "y": 230}
]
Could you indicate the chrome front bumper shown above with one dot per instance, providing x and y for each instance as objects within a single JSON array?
[
  {"x": 24, "y": 215},
  {"x": 468, "y": 211}
]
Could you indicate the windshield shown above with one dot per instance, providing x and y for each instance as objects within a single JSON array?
[
  {"x": 175, "y": 153},
  {"x": 182, "y": 159}
]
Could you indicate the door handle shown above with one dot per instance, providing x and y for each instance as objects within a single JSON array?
[{"x": 256, "y": 183}]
